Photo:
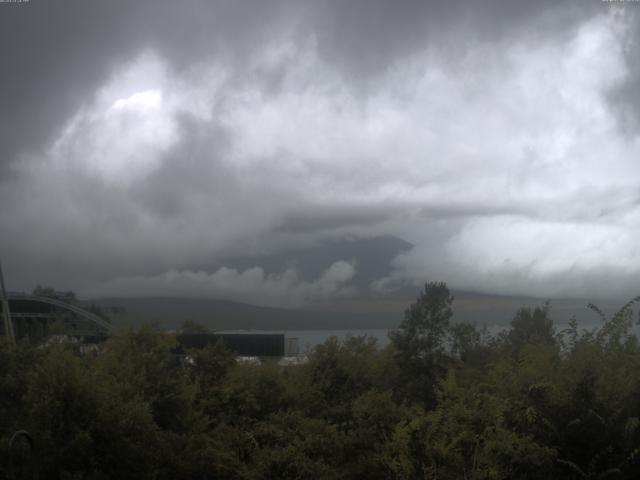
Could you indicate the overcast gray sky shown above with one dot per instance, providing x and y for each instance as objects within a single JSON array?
[{"x": 141, "y": 141}]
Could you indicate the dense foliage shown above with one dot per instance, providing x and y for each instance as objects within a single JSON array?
[{"x": 441, "y": 401}]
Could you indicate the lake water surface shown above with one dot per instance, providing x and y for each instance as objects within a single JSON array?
[{"x": 311, "y": 338}]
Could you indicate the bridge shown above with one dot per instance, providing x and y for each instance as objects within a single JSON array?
[
  {"x": 98, "y": 321},
  {"x": 19, "y": 308}
]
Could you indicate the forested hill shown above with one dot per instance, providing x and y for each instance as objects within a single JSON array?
[
  {"x": 225, "y": 315},
  {"x": 472, "y": 307}
]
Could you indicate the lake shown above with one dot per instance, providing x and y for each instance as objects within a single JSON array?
[{"x": 311, "y": 338}]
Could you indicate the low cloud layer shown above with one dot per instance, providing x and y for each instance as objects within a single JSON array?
[
  {"x": 502, "y": 145},
  {"x": 251, "y": 285}
]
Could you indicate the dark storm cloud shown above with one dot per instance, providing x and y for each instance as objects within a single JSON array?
[
  {"x": 187, "y": 171},
  {"x": 335, "y": 217},
  {"x": 54, "y": 54},
  {"x": 142, "y": 139},
  {"x": 365, "y": 37},
  {"x": 625, "y": 97}
]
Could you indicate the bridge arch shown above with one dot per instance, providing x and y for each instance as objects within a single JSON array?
[{"x": 81, "y": 312}]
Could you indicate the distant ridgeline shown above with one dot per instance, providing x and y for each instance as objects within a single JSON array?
[{"x": 366, "y": 314}]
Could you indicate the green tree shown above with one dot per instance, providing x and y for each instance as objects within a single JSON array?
[
  {"x": 41, "y": 291},
  {"x": 467, "y": 345},
  {"x": 531, "y": 326},
  {"x": 420, "y": 342},
  {"x": 84, "y": 424},
  {"x": 142, "y": 361},
  {"x": 191, "y": 326}
]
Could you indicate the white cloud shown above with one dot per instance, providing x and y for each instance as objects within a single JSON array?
[
  {"x": 519, "y": 130},
  {"x": 251, "y": 285},
  {"x": 520, "y": 255}
]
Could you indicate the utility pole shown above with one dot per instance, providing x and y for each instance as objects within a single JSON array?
[{"x": 6, "y": 313}]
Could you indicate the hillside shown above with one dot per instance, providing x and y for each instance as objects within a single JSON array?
[{"x": 361, "y": 314}]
